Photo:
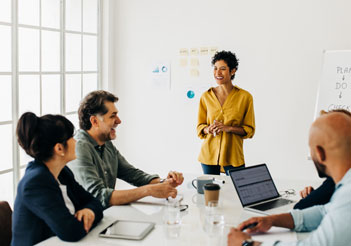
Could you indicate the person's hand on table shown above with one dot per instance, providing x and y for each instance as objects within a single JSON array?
[
  {"x": 163, "y": 190},
  {"x": 263, "y": 224},
  {"x": 88, "y": 217},
  {"x": 236, "y": 237},
  {"x": 306, "y": 191},
  {"x": 175, "y": 178}
]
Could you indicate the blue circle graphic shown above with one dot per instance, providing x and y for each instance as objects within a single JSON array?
[
  {"x": 164, "y": 69},
  {"x": 190, "y": 94}
]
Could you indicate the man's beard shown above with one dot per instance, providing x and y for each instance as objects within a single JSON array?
[
  {"x": 104, "y": 137},
  {"x": 320, "y": 169}
]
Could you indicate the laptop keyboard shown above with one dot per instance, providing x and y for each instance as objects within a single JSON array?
[{"x": 271, "y": 204}]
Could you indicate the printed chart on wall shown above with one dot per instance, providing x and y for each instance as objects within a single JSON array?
[
  {"x": 161, "y": 75},
  {"x": 335, "y": 85},
  {"x": 195, "y": 72}
]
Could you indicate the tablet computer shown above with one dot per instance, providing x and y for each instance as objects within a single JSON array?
[{"x": 126, "y": 229}]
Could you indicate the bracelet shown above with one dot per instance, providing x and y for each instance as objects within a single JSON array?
[{"x": 276, "y": 243}]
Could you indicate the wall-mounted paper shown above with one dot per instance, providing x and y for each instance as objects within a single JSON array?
[
  {"x": 194, "y": 62},
  {"x": 183, "y": 62},
  {"x": 213, "y": 50},
  {"x": 184, "y": 52},
  {"x": 194, "y": 72},
  {"x": 161, "y": 75},
  {"x": 194, "y": 51},
  {"x": 204, "y": 51}
]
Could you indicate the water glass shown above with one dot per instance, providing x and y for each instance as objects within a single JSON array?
[
  {"x": 214, "y": 225},
  {"x": 172, "y": 219}
]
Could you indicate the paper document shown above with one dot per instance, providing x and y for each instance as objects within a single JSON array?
[
  {"x": 276, "y": 233},
  {"x": 157, "y": 201}
]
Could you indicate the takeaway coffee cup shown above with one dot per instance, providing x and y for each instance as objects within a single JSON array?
[
  {"x": 200, "y": 182},
  {"x": 211, "y": 192}
]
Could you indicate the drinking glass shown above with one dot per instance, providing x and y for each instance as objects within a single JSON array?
[{"x": 172, "y": 219}]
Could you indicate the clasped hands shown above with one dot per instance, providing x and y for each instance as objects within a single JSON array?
[{"x": 216, "y": 128}]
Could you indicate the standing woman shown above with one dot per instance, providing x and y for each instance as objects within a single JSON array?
[
  {"x": 49, "y": 201},
  {"x": 225, "y": 118}
]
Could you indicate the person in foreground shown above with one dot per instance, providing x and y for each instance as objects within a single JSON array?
[
  {"x": 225, "y": 118},
  {"x": 49, "y": 201},
  {"x": 324, "y": 192},
  {"x": 99, "y": 163},
  {"x": 330, "y": 144}
]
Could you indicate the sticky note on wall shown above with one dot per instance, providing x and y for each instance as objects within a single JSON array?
[
  {"x": 194, "y": 62},
  {"x": 194, "y": 51},
  {"x": 183, "y": 52}
]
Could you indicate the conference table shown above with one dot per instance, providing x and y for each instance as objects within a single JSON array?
[{"x": 192, "y": 223}]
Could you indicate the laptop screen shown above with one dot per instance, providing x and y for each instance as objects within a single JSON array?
[{"x": 253, "y": 184}]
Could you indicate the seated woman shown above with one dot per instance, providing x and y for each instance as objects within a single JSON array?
[{"x": 49, "y": 201}]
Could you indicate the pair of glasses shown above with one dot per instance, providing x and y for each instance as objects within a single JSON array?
[
  {"x": 184, "y": 207},
  {"x": 289, "y": 192}
]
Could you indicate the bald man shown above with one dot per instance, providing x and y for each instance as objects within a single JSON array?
[{"x": 330, "y": 145}]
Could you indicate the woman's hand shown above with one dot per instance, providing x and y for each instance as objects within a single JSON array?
[
  {"x": 88, "y": 217},
  {"x": 218, "y": 127}
]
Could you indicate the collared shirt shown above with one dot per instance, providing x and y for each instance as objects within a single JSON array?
[
  {"x": 226, "y": 148},
  {"x": 97, "y": 169},
  {"x": 330, "y": 223}
]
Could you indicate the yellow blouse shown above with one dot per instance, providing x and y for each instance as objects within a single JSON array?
[{"x": 226, "y": 148}]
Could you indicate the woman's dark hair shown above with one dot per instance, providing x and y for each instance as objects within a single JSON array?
[
  {"x": 94, "y": 104},
  {"x": 38, "y": 135},
  {"x": 229, "y": 58}
]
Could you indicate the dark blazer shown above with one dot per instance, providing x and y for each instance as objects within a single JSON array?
[
  {"x": 320, "y": 196},
  {"x": 40, "y": 211}
]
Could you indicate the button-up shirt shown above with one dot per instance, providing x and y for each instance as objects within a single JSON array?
[
  {"x": 330, "y": 223},
  {"x": 97, "y": 168},
  {"x": 225, "y": 149}
]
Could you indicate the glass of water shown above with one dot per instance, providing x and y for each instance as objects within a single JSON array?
[
  {"x": 214, "y": 225},
  {"x": 172, "y": 219}
]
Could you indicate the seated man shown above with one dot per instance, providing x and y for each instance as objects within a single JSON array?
[
  {"x": 323, "y": 193},
  {"x": 99, "y": 163},
  {"x": 330, "y": 144}
]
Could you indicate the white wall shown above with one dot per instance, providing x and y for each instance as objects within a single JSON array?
[{"x": 279, "y": 44}]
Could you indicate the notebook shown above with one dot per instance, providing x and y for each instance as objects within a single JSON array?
[{"x": 257, "y": 191}]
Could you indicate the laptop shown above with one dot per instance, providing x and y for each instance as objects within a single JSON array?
[{"x": 257, "y": 191}]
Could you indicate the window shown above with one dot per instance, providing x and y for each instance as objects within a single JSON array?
[{"x": 49, "y": 61}]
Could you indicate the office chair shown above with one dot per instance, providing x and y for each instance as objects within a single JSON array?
[{"x": 5, "y": 224}]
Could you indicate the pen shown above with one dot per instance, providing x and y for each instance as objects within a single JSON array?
[{"x": 249, "y": 226}]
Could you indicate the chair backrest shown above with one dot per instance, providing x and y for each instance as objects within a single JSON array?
[{"x": 5, "y": 224}]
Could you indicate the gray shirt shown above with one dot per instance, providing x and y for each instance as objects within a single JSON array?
[{"x": 97, "y": 167}]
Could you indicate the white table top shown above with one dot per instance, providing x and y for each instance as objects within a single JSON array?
[{"x": 192, "y": 219}]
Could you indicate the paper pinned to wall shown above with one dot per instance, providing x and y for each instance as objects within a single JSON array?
[
  {"x": 183, "y": 52},
  {"x": 161, "y": 75},
  {"x": 183, "y": 62},
  {"x": 213, "y": 50},
  {"x": 204, "y": 51},
  {"x": 194, "y": 51},
  {"x": 194, "y": 72},
  {"x": 194, "y": 62}
]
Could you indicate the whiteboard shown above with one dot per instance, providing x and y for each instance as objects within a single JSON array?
[{"x": 335, "y": 85}]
